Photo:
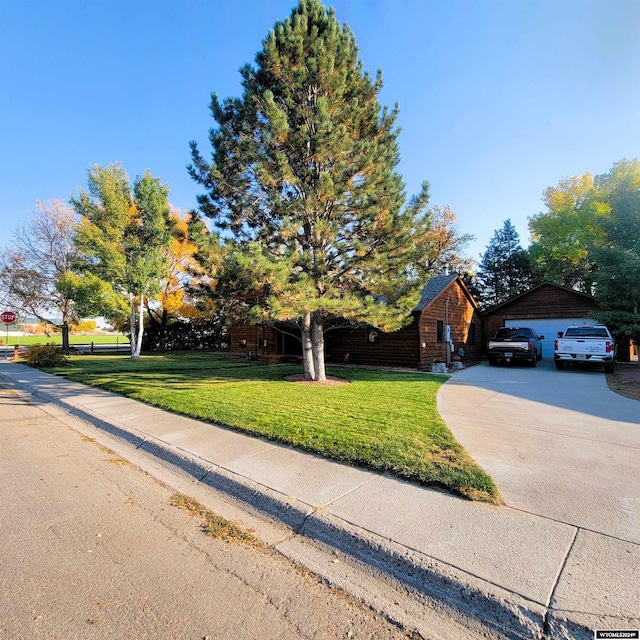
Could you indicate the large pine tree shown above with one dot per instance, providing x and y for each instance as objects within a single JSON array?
[{"x": 303, "y": 179}]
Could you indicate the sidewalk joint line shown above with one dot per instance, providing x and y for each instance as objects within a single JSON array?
[
  {"x": 297, "y": 531},
  {"x": 546, "y": 627},
  {"x": 575, "y": 526},
  {"x": 363, "y": 484}
]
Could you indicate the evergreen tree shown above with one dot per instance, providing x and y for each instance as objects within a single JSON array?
[
  {"x": 303, "y": 180},
  {"x": 123, "y": 238},
  {"x": 504, "y": 270}
]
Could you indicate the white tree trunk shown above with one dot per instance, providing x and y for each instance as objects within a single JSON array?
[
  {"x": 307, "y": 348},
  {"x": 132, "y": 305},
  {"x": 140, "y": 331},
  {"x": 317, "y": 346}
]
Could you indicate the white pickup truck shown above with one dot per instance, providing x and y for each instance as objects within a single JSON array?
[{"x": 585, "y": 345}]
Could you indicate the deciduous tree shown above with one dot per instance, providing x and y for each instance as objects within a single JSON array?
[
  {"x": 33, "y": 268},
  {"x": 617, "y": 258},
  {"x": 589, "y": 239},
  {"x": 123, "y": 237},
  {"x": 563, "y": 235},
  {"x": 175, "y": 300}
]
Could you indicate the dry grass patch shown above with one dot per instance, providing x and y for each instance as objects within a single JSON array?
[{"x": 212, "y": 524}]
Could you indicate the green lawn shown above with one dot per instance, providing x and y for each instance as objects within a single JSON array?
[
  {"x": 382, "y": 420},
  {"x": 56, "y": 338}
]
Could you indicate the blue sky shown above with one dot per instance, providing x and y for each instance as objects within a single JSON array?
[{"x": 499, "y": 99}]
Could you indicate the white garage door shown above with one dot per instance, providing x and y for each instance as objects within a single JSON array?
[{"x": 548, "y": 327}]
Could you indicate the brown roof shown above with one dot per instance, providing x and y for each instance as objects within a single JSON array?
[
  {"x": 436, "y": 286},
  {"x": 542, "y": 284}
]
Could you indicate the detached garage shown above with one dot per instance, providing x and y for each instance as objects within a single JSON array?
[{"x": 547, "y": 308}]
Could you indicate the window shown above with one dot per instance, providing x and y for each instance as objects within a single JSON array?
[
  {"x": 243, "y": 342},
  {"x": 586, "y": 332},
  {"x": 373, "y": 336},
  {"x": 439, "y": 330}
]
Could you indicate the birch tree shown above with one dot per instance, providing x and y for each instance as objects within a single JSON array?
[{"x": 123, "y": 238}]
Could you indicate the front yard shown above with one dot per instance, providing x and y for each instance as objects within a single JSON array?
[{"x": 382, "y": 420}]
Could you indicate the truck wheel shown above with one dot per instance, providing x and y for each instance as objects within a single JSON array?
[
  {"x": 533, "y": 362},
  {"x": 608, "y": 367},
  {"x": 493, "y": 361},
  {"x": 540, "y": 356},
  {"x": 559, "y": 365}
]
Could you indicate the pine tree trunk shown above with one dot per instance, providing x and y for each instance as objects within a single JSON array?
[
  {"x": 307, "y": 348},
  {"x": 317, "y": 346}
]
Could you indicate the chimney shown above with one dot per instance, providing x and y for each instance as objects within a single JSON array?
[{"x": 445, "y": 270}]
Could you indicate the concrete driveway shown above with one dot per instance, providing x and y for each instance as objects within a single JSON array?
[{"x": 558, "y": 443}]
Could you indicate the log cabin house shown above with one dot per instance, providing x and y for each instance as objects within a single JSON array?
[
  {"x": 445, "y": 300},
  {"x": 547, "y": 307}
]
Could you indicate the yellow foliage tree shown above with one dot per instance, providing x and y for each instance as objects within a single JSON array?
[
  {"x": 84, "y": 326},
  {"x": 173, "y": 301}
]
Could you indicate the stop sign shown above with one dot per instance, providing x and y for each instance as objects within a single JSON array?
[{"x": 8, "y": 317}]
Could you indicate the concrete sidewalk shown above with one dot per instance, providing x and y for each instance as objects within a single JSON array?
[{"x": 515, "y": 574}]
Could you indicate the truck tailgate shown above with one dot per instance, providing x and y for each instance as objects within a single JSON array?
[{"x": 582, "y": 346}]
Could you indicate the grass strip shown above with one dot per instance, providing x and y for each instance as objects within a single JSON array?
[{"x": 382, "y": 420}]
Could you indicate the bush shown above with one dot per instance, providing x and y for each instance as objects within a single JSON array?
[{"x": 45, "y": 355}]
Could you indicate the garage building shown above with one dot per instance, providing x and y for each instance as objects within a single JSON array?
[{"x": 547, "y": 308}]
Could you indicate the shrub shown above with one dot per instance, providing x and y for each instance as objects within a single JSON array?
[{"x": 45, "y": 355}]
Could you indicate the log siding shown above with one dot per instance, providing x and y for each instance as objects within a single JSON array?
[
  {"x": 464, "y": 320},
  {"x": 414, "y": 346}
]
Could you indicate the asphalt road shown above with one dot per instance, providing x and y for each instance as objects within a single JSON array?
[{"x": 90, "y": 547}]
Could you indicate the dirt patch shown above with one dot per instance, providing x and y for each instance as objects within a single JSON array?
[
  {"x": 331, "y": 381},
  {"x": 625, "y": 380}
]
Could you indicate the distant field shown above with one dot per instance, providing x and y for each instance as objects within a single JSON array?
[{"x": 56, "y": 338}]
